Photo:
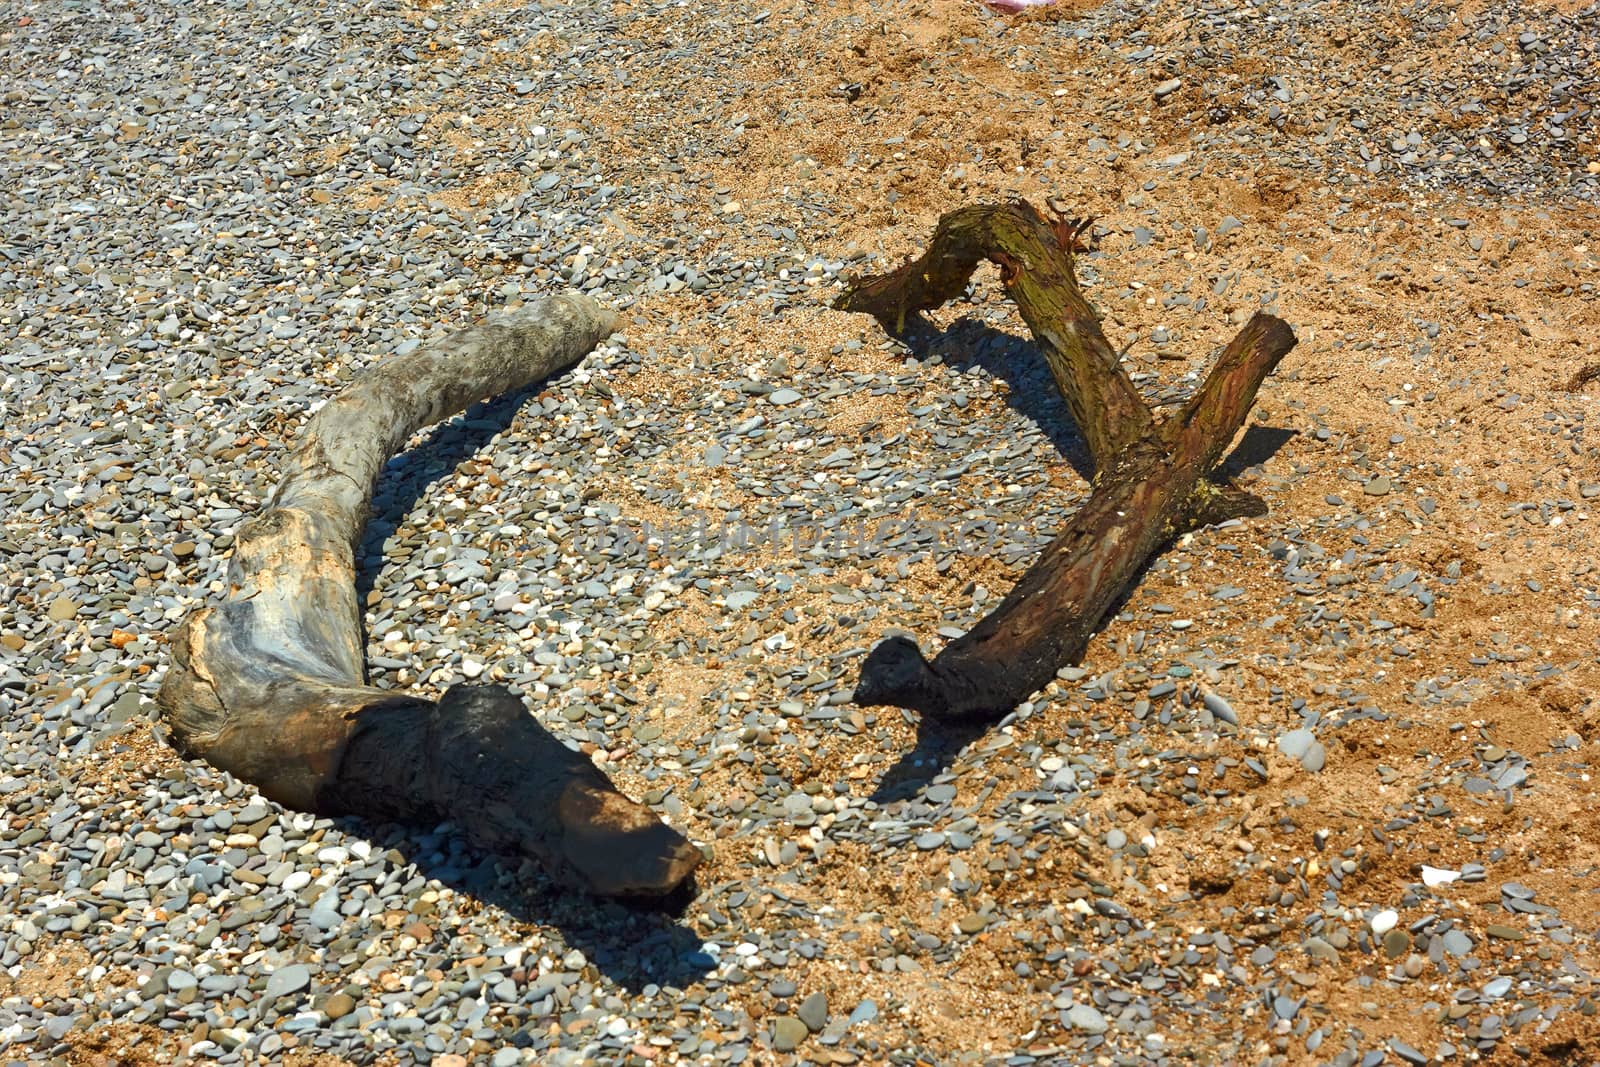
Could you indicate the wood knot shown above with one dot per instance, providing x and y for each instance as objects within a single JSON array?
[{"x": 1010, "y": 267}]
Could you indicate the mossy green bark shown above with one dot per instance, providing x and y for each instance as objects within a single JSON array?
[{"x": 1151, "y": 482}]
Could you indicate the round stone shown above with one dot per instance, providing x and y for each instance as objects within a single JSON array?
[
  {"x": 338, "y": 1006},
  {"x": 788, "y": 1032}
]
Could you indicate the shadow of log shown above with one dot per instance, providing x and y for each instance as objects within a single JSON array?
[
  {"x": 633, "y": 942},
  {"x": 407, "y": 477}
]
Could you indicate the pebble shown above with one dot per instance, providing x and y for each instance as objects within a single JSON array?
[
  {"x": 286, "y": 981},
  {"x": 1221, "y": 708},
  {"x": 1433, "y": 877},
  {"x": 1087, "y": 1017},
  {"x": 287, "y": 181},
  {"x": 338, "y": 1005},
  {"x": 1320, "y": 949},
  {"x": 788, "y": 1032},
  {"x": 813, "y": 1011},
  {"x": 1302, "y": 745},
  {"x": 1295, "y": 743},
  {"x": 1406, "y": 1052}
]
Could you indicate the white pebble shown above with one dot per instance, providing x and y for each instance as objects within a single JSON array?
[
  {"x": 1433, "y": 877},
  {"x": 1385, "y": 921}
]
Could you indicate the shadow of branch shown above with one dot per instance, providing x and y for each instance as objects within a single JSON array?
[
  {"x": 939, "y": 743},
  {"x": 407, "y": 477},
  {"x": 631, "y": 943},
  {"x": 969, "y": 343}
]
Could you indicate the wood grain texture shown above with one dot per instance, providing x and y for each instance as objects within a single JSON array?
[
  {"x": 268, "y": 682},
  {"x": 1151, "y": 483},
  {"x": 1035, "y": 257}
]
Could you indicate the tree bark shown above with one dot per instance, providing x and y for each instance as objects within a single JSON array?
[
  {"x": 1151, "y": 482},
  {"x": 269, "y": 681}
]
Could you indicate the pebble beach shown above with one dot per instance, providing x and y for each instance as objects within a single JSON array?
[{"x": 1320, "y": 792}]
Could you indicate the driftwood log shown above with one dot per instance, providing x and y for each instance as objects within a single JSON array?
[
  {"x": 1152, "y": 481},
  {"x": 268, "y": 682}
]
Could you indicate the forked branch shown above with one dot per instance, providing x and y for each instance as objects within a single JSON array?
[{"x": 1152, "y": 479}]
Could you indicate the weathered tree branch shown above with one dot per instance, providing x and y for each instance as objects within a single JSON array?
[
  {"x": 1151, "y": 480},
  {"x": 268, "y": 682},
  {"x": 1035, "y": 260}
]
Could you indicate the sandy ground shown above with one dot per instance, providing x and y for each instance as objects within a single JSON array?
[{"x": 1439, "y": 331}]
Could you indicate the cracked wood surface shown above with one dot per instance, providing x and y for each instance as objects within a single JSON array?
[
  {"x": 1152, "y": 479},
  {"x": 268, "y": 682}
]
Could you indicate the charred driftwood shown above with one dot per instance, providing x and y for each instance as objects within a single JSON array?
[
  {"x": 1152, "y": 477},
  {"x": 268, "y": 682}
]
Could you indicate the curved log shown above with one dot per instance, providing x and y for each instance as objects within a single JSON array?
[
  {"x": 268, "y": 682},
  {"x": 1035, "y": 261},
  {"x": 1152, "y": 479}
]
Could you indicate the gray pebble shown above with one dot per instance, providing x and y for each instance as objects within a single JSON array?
[
  {"x": 813, "y": 1011},
  {"x": 1220, "y": 708},
  {"x": 1087, "y": 1017},
  {"x": 1296, "y": 743},
  {"x": 287, "y": 980}
]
